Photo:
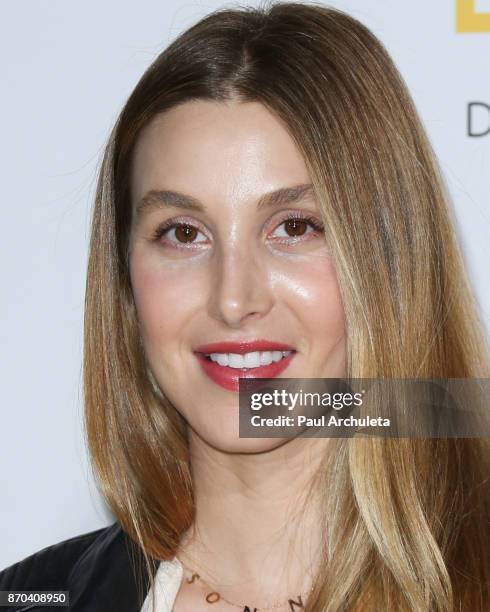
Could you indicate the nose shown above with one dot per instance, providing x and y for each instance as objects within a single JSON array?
[{"x": 240, "y": 289}]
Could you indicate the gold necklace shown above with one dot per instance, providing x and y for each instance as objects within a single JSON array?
[{"x": 213, "y": 596}]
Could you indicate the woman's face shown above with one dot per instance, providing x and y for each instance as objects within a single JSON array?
[{"x": 214, "y": 260}]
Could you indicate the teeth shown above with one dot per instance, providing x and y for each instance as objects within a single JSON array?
[
  {"x": 221, "y": 358},
  {"x": 248, "y": 360}
]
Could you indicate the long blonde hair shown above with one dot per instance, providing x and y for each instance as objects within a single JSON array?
[{"x": 406, "y": 520}]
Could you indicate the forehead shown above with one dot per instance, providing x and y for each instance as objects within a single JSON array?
[{"x": 218, "y": 148}]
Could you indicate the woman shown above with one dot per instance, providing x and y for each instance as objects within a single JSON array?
[{"x": 269, "y": 205}]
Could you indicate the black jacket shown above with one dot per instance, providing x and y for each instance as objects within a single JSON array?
[{"x": 96, "y": 568}]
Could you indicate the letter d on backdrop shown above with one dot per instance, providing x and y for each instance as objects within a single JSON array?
[{"x": 483, "y": 111}]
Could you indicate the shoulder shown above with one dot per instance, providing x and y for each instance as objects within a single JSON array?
[
  {"x": 50, "y": 563},
  {"x": 79, "y": 564}
]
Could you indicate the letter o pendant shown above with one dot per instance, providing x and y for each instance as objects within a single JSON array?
[{"x": 213, "y": 597}]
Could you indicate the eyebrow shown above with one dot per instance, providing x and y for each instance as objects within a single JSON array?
[{"x": 158, "y": 199}]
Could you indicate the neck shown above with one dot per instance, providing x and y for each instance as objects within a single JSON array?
[{"x": 257, "y": 528}]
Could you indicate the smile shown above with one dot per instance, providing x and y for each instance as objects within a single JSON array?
[{"x": 225, "y": 363}]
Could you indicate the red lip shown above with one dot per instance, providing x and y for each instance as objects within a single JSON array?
[
  {"x": 243, "y": 347},
  {"x": 227, "y": 377}
]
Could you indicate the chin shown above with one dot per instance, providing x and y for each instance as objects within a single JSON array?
[
  {"x": 255, "y": 445},
  {"x": 232, "y": 443}
]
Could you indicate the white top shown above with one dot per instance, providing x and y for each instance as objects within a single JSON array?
[{"x": 167, "y": 583}]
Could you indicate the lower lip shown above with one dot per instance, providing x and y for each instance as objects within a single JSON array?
[{"x": 228, "y": 378}]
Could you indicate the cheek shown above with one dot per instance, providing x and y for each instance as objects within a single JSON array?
[
  {"x": 314, "y": 293},
  {"x": 164, "y": 298}
]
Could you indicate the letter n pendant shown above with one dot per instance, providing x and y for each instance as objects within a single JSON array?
[{"x": 295, "y": 604}]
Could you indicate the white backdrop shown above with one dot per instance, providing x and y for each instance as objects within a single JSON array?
[{"x": 66, "y": 70}]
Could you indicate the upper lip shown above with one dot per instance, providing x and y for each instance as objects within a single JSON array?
[{"x": 242, "y": 347}]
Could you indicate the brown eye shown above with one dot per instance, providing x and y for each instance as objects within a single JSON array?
[
  {"x": 185, "y": 233},
  {"x": 172, "y": 233},
  {"x": 295, "y": 227}
]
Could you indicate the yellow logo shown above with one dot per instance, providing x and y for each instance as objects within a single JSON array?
[{"x": 468, "y": 20}]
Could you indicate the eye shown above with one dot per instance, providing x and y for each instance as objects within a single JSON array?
[
  {"x": 178, "y": 232},
  {"x": 296, "y": 225}
]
